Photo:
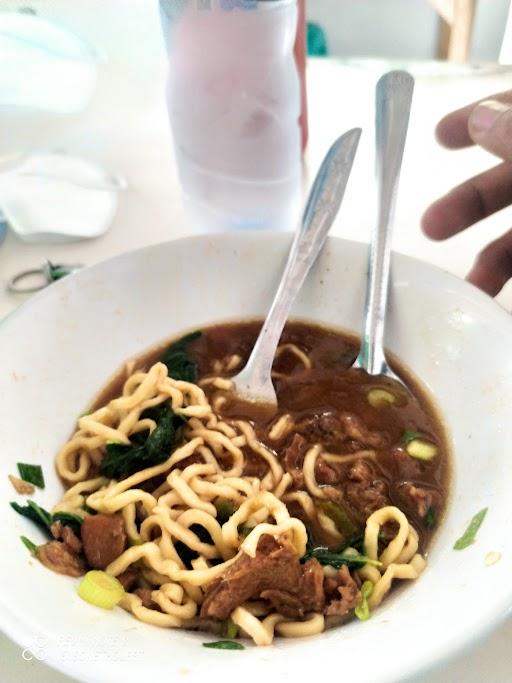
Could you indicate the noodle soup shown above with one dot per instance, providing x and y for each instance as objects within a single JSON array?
[{"x": 195, "y": 510}]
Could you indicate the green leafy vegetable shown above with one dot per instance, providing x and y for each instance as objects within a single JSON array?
[
  {"x": 224, "y": 645},
  {"x": 231, "y": 630},
  {"x": 147, "y": 449},
  {"x": 224, "y": 511},
  {"x": 179, "y": 364},
  {"x": 28, "y": 544},
  {"x": 338, "y": 559},
  {"x": 362, "y": 611},
  {"x": 31, "y": 473},
  {"x": 44, "y": 519},
  {"x": 341, "y": 518},
  {"x": 469, "y": 536},
  {"x": 430, "y": 520},
  {"x": 34, "y": 512},
  {"x": 409, "y": 435}
]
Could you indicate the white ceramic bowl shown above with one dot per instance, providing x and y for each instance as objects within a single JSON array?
[{"x": 59, "y": 349}]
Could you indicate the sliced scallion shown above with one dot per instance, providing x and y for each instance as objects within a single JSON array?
[
  {"x": 231, "y": 629},
  {"x": 421, "y": 449},
  {"x": 380, "y": 397},
  {"x": 100, "y": 589},
  {"x": 31, "y": 473},
  {"x": 362, "y": 611},
  {"x": 224, "y": 645},
  {"x": 29, "y": 544},
  {"x": 469, "y": 536}
]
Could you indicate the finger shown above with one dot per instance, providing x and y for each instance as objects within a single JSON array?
[
  {"x": 490, "y": 126},
  {"x": 452, "y": 131},
  {"x": 493, "y": 267},
  {"x": 468, "y": 203}
]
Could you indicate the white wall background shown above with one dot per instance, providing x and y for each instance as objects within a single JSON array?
[{"x": 402, "y": 28}]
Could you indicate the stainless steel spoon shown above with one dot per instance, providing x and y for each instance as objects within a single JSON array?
[
  {"x": 393, "y": 105},
  {"x": 254, "y": 382}
]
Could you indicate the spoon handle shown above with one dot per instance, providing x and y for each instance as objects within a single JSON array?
[
  {"x": 321, "y": 210},
  {"x": 392, "y": 109}
]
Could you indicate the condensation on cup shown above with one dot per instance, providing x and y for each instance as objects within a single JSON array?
[{"x": 234, "y": 101}]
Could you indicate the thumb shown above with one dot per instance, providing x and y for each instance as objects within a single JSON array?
[{"x": 490, "y": 126}]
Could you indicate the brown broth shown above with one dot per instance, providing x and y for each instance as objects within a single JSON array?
[{"x": 329, "y": 390}]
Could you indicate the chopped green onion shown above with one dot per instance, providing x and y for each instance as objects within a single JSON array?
[
  {"x": 224, "y": 511},
  {"x": 380, "y": 397},
  {"x": 341, "y": 519},
  {"x": 244, "y": 531},
  {"x": 100, "y": 589},
  {"x": 34, "y": 512},
  {"x": 469, "y": 536},
  {"x": 409, "y": 435},
  {"x": 31, "y": 473},
  {"x": 135, "y": 541},
  {"x": 421, "y": 450},
  {"x": 224, "y": 645},
  {"x": 430, "y": 520},
  {"x": 231, "y": 629},
  {"x": 28, "y": 544},
  {"x": 367, "y": 589},
  {"x": 45, "y": 519},
  {"x": 362, "y": 611}
]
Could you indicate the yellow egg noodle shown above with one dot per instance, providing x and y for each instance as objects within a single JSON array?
[{"x": 186, "y": 498}]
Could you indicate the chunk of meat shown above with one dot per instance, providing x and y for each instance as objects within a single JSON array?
[
  {"x": 342, "y": 593},
  {"x": 345, "y": 431},
  {"x": 71, "y": 539},
  {"x": 361, "y": 471},
  {"x": 128, "y": 578},
  {"x": 364, "y": 493},
  {"x": 324, "y": 428},
  {"x": 406, "y": 467},
  {"x": 104, "y": 539},
  {"x": 59, "y": 557},
  {"x": 357, "y": 430},
  {"x": 275, "y": 573},
  {"x": 325, "y": 473},
  {"x": 310, "y": 597},
  {"x": 422, "y": 498},
  {"x": 145, "y": 595},
  {"x": 56, "y": 530},
  {"x": 63, "y": 532},
  {"x": 254, "y": 466},
  {"x": 293, "y": 458},
  {"x": 24, "y": 488}
]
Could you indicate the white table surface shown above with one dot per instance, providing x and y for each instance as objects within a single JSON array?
[{"x": 125, "y": 129}]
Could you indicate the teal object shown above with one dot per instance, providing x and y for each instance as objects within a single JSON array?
[
  {"x": 316, "y": 40},
  {"x": 3, "y": 227}
]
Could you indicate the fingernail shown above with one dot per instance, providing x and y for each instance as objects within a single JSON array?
[{"x": 484, "y": 115}]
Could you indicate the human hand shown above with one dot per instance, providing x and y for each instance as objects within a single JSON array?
[{"x": 487, "y": 123}]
